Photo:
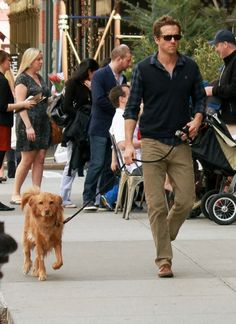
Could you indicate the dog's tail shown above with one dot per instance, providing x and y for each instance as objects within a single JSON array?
[{"x": 35, "y": 190}]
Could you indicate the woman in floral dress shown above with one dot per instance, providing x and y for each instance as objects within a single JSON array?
[{"x": 32, "y": 127}]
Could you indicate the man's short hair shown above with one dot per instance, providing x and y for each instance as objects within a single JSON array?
[
  {"x": 164, "y": 21},
  {"x": 116, "y": 93},
  {"x": 120, "y": 51}
]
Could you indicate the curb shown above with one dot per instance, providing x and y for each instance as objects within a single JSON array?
[
  {"x": 51, "y": 164},
  {"x": 54, "y": 166}
]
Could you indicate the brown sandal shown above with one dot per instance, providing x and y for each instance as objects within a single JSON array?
[{"x": 165, "y": 271}]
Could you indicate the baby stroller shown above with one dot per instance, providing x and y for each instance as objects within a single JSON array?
[{"x": 215, "y": 149}]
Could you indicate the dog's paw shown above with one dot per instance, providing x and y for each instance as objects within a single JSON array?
[
  {"x": 27, "y": 267},
  {"x": 42, "y": 276},
  {"x": 57, "y": 265}
]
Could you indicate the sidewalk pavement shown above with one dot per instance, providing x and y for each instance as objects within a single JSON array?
[{"x": 109, "y": 275}]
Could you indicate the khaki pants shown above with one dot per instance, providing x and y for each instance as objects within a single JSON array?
[{"x": 179, "y": 167}]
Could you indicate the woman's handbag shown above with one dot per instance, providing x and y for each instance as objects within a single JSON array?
[
  {"x": 55, "y": 112},
  {"x": 56, "y": 133}
]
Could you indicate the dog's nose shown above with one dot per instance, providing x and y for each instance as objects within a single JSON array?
[{"x": 47, "y": 212}]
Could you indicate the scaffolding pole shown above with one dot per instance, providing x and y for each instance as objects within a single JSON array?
[
  {"x": 63, "y": 26},
  {"x": 72, "y": 46},
  {"x": 104, "y": 34}
]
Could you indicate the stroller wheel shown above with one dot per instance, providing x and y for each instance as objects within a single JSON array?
[
  {"x": 205, "y": 201},
  {"x": 222, "y": 208}
]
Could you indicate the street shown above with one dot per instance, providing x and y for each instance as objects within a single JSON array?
[{"x": 109, "y": 275}]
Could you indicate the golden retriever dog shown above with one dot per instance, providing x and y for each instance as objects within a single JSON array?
[{"x": 43, "y": 226}]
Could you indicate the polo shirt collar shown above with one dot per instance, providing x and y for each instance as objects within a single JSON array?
[{"x": 154, "y": 61}]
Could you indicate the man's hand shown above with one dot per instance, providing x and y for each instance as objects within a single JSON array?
[
  {"x": 129, "y": 154},
  {"x": 114, "y": 166},
  {"x": 194, "y": 126}
]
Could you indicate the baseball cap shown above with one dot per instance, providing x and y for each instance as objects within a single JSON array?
[{"x": 223, "y": 35}]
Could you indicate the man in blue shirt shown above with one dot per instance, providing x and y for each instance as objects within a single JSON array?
[
  {"x": 102, "y": 113},
  {"x": 166, "y": 83}
]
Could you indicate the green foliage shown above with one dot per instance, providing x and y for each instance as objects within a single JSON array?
[
  {"x": 196, "y": 20},
  {"x": 128, "y": 74},
  {"x": 142, "y": 48},
  {"x": 207, "y": 59}
]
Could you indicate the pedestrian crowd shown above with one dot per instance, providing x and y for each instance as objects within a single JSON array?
[{"x": 166, "y": 94}]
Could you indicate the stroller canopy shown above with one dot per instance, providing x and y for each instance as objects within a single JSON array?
[{"x": 214, "y": 147}]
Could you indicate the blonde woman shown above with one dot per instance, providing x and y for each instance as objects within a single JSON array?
[
  {"x": 32, "y": 127},
  {"x": 7, "y": 107}
]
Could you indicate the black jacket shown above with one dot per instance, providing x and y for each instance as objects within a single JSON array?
[
  {"x": 77, "y": 132},
  {"x": 226, "y": 90},
  {"x": 76, "y": 95},
  {"x": 77, "y": 104},
  {"x": 6, "y": 97}
]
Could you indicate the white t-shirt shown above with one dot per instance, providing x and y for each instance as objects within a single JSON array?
[{"x": 118, "y": 130}]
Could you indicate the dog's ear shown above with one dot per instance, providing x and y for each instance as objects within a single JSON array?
[
  {"x": 25, "y": 199},
  {"x": 28, "y": 194},
  {"x": 33, "y": 205},
  {"x": 31, "y": 201},
  {"x": 58, "y": 199}
]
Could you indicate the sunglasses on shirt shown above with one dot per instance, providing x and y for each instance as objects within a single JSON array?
[{"x": 168, "y": 38}]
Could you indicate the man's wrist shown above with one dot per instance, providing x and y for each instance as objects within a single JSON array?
[
  {"x": 198, "y": 117},
  {"x": 128, "y": 143}
]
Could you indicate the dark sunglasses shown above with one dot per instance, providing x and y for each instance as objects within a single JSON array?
[{"x": 168, "y": 38}]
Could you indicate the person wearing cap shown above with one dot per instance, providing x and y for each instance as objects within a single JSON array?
[{"x": 225, "y": 87}]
